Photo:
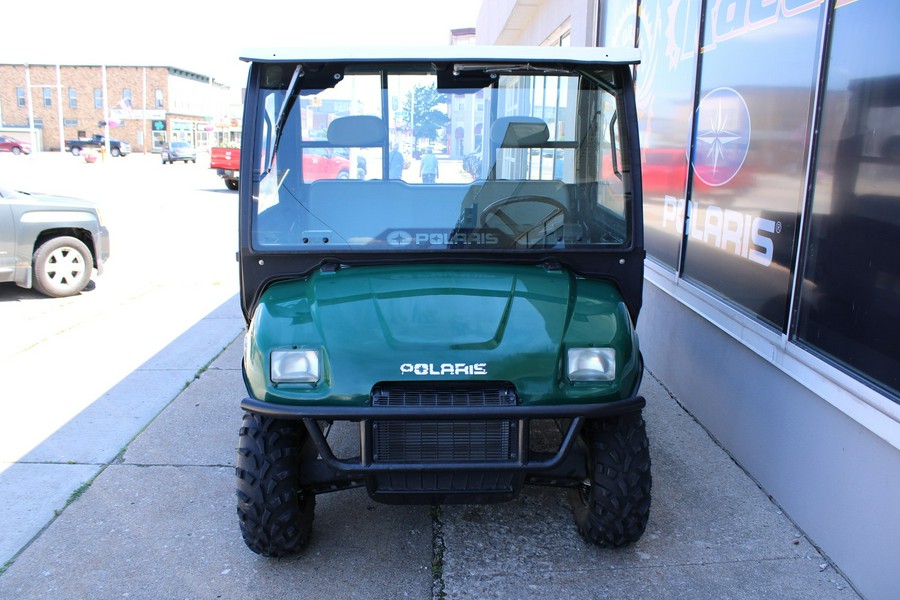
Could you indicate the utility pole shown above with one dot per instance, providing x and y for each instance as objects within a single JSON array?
[
  {"x": 105, "y": 114},
  {"x": 144, "y": 134},
  {"x": 34, "y": 145},
  {"x": 59, "y": 110}
]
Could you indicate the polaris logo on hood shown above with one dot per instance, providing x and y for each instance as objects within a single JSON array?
[{"x": 426, "y": 369}]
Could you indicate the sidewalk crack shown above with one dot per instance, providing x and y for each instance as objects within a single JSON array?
[{"x": 437, "y": 554}]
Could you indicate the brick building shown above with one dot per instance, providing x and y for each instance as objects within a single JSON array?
[{"x": 143, "y": 105}]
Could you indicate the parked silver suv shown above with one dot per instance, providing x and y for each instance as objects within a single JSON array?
[
  {"x": 182, "y": 151},
  {"x": 50, "y": 243}
]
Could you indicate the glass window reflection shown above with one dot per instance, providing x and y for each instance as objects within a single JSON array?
[{"x": 850, "y": 292}]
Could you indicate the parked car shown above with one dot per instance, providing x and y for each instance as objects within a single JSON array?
[
  {"x": 318, "y": 163},
  {"x": 8, "y": 144},
  {"x": 182, "y": 151},
  {"x": 98, "y": 142},
  {"x": 227, "y": 163},
  {"x": 50, "y": 243}
]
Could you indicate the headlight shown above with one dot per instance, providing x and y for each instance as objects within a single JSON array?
[
  {"x": 591, "y": 364},
  {"x": 294, "y": 366}
]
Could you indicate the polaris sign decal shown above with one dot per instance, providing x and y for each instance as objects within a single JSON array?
[
  {"x": 723, "y": 140},
  {"x": 428, "y": 369},
  {"x": 744, "y": 234},
  {"x": 723, "y": 136}
]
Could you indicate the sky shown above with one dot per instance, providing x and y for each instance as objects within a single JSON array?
[{"x": 207, "y": 37}]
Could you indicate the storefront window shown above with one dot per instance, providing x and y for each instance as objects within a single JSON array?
[
  {"x": 750, "y": 152},
  {"x": 618, "y": 20},
  {"x": 850, "y": 291},
  {"x": 665, "y": 97}
]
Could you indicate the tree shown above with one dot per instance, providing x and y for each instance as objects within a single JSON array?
[{"x": 424, "y": 112}]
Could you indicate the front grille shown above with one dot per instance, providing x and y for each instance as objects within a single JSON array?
[
  {"x": 437, "y": 394},
  {"x": 444, "y": 441}
]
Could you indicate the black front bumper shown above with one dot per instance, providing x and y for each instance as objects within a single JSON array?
[{"x": 445, "y": 479}]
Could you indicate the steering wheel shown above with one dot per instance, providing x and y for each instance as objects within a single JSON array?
[{"x": 501, "y": 210}]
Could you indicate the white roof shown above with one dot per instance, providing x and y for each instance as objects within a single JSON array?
[{"x": 445, "y": 53}]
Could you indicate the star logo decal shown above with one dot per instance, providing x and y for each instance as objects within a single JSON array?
[{"x": 723, "y": 136}]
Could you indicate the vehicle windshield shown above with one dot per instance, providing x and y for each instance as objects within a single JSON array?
[{"x": 416, "y": 159}]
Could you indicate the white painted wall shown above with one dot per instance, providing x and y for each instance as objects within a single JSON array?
[{"x": 530, "y": 22}]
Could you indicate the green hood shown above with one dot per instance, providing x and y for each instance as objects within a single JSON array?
[{"x": 440, "y": 323}]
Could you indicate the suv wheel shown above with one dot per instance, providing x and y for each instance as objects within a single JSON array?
[
  {"x": 612, "y": 506},
  {"x": 274, "y": 513},
  {"x": 62, "y": 267}
]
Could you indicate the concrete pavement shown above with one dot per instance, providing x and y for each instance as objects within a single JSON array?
[
  {"x": 159, "y": 521},
  {"x": 70, "y": 423}
]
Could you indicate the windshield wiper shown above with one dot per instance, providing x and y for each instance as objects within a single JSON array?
[
  {"x": 510, "y": 68},
  {"x": 283, "y": 113}
]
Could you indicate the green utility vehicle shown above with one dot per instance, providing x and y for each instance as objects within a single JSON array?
[{"x": 464, "y": 305}]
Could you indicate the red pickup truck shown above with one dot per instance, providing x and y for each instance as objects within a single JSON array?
[
  {"x": 227, "y": 163},
  {"x": 318, "y": 163}
]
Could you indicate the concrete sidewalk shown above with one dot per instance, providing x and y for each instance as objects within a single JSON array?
[
  {"x": 160, "y": 522},
  {"x": 76, "y": 403}
]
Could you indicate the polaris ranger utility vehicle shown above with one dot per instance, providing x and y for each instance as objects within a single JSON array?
[{"x": 477, "y": 330}]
